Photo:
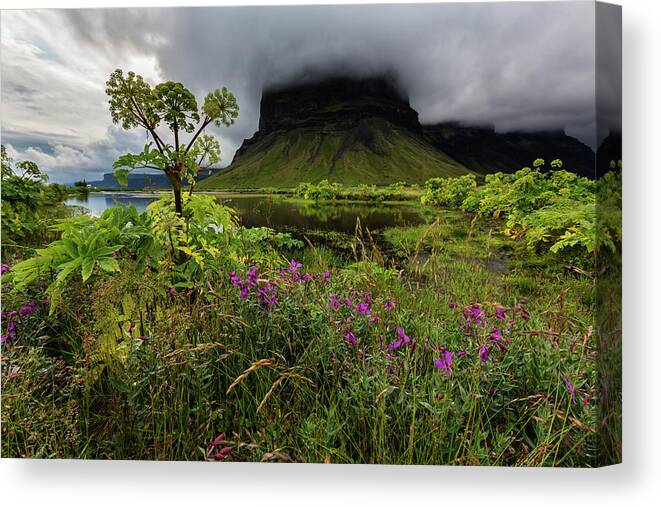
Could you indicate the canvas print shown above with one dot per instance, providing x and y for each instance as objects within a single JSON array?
[{"x": 360, "y": 234}]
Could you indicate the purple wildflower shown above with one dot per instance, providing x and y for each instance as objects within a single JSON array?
[
  {"x": 452, "y": 306},
  {"x": 252, "y": 277},
  {"x": 459, "y": 353},
  {"x": 402, "y": 335},
  {"x": 294, "y": 266},
  {"x": 373, "y": 320},
  {"x": 348, "y": 303},
  {"x": 473, "y": 315},
  {"x": 28, "y": 309},
  {"x": 171, "y": 292},
  {"x": 500, "y": 313},
  {"x": 444, "y": 362},
  {"x": 395, "y": 345},
  {"x": 4, "y": 268},
  {"x": 389, "y": 305},
  {"x": 484, "y": 353},
  {"x": 244, "y": 292},
  {"x": 11, "y": 332},
  {"x": 570, "y": 390},
  {"x": 235, "y": 279},
  {"x": 350, "y": 338},
  {"x": 363, "y": 309},
  {"x": 326, "y": 276},
  {"x": 334, "y": 303}
]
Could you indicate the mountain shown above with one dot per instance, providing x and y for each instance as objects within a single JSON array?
[
  {"x": 143, "y": 181},
  {"x": 344, "y": 130},
  {"x": 357, "y": 131},
  {"x": 483, "y": 150}
]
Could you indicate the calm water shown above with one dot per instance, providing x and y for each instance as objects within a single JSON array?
[{"x": 278, "y": 212}]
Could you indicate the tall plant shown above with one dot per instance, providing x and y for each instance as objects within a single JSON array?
[{"x": 169, "y": 109}]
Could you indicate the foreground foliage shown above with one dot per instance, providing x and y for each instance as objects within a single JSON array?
[{"x": 164, "y": 336}]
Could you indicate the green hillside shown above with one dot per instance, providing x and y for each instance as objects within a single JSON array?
[{"x": 372, "y": 152}]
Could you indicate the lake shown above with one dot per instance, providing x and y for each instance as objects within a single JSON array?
[{"x": 277, "y": 212}]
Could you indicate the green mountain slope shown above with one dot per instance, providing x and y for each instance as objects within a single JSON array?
[{"x": 373, "y": 152}]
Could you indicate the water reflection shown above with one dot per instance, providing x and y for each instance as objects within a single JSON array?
[{"x": 278, "y": 212}]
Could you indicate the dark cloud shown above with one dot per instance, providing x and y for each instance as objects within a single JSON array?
[{"x": 513, "y": 65}]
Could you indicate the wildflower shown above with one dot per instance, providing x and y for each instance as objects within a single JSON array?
[
  {"x": 444, "y": 362},
  {"x": 350, "y": 338},
  {"x": 495, "y": 337},
  {"x": 252, "y": 277},
  {"x": 373, "y": 320},
  {"x": 395, "y": 345},
  {"x": 4, "y": 268},
  {"x": 500, "y": 313},
  {"x": 334, "y": 303},
  {"x": 460, "y": 353},
  {"x": 11, "y": 332},
  {"x": 244, "y": 292},
  {"x": 452, "y": 306},
  {"x": 28, "y": 309},
  {"x": 363, "y": 309},
  {"x": 473, "y": 315},
  {"x": 222, "y": 454},
  {"x": 367, "y": 298},
  {"x": 402, "y": 335},
  {"x": 294, "y": 266},
  {"x": 348, "y": 303},
  {"x": 236, "y": 280},
  {"x": 216, "y": 442},
  {"x": 171, "y": 292},
  {"x": 484, "y": 353},
  {"x": 570, "y": 390},
  {"x": 326, "y": 276},
  {"x": 389, "y": 305}
]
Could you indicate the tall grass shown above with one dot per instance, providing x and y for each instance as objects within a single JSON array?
[{"x": 127, "y": 369}]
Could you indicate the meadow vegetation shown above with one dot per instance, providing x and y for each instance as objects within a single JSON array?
[{"x": 163, "y": 336}]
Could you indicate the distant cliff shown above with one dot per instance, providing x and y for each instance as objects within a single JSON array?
[
  {"x": 357, "y": 131},
  {"x": 143, "y": 181},
  {"x": 482, "y": 150}
]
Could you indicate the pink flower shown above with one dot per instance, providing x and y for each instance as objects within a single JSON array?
[
  {"x": 326, "y": 276},
  {"x": 444, "y": 363},
  {"x": 484, "y": 353},
  {"x": 570, "y": 390},
  {"x": 222, "y": 454}
]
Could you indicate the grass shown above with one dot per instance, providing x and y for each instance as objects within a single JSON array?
[
  {"x": 287, "y": 386},
  {"x": 284, "y": 160}
]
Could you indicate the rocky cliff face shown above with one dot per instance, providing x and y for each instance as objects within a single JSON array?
[
  {"x": 483, "y": 150},
  {"x": 344, "y": 130},
  {"x": 336, "y": 104},
  {"x": 365, "y": 131}
]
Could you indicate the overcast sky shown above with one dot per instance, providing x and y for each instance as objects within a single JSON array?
[{"x": 514, "y": 65}]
